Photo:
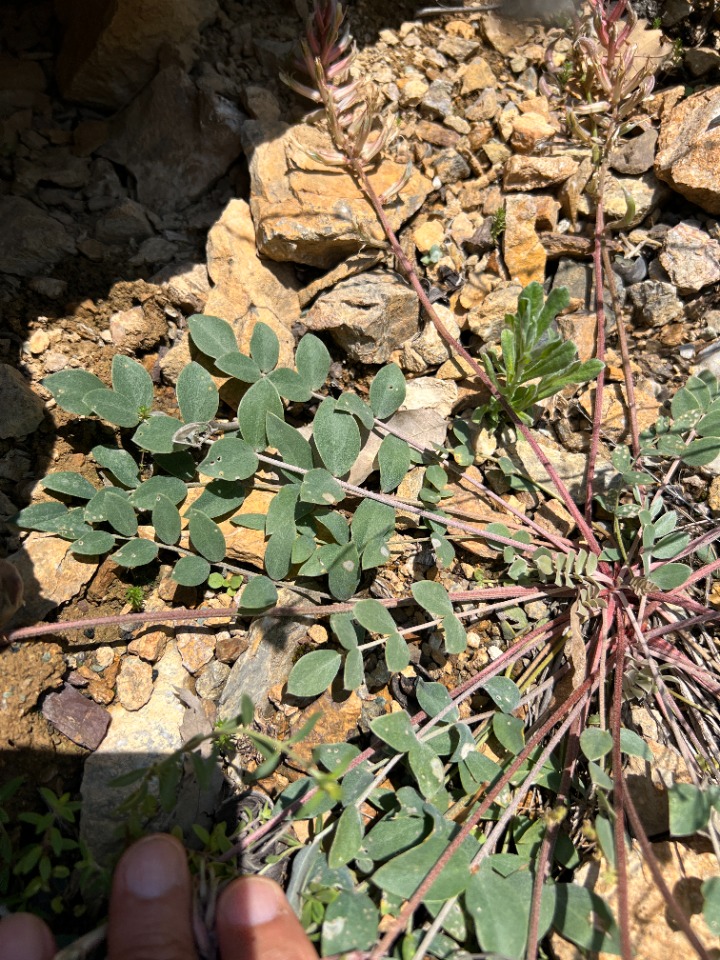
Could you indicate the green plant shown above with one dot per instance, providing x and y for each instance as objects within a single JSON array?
[
  {"x": 230, "y": 583},
  {"x": 534, "y": 362},
  {"x": 497, "y": 228},
  {"x": 135, "y": 597}
]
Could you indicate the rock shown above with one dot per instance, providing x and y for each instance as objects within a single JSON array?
[
  {"x": 54, "y": 165},
  {"x": 654, "y": 935},
  {"x": 124, "y": 223},
  {"x": 81, "y": 720},
  {"x": 504, "y": 34},
  {"x": 427, "y": 348},
  {"x": 691, "y": 257},
  {"x": 110, "y": 50},
  {"x": 472, "y": 509},
  {"x": 537, "y": 173},
  {"x": 646, "y": 192},
  {"x": 338, "y": 723},
  {"x": 229, "y": 646},
  {"x": 243, "y": 544},
  {"x": 655, "y": 303},
  {"x": 429, "y": 234},
  {"x": 477, "y": 75},
  {"x": 51, "y": 575},
  {"x": 23, "y": 411},
  {"x": 701, "y": 60},
  {"x": 449, "y": 166},
  {"x": 413, "y": 91},
  {"x": 28, "y": 671},
  {"x": 487, "y": 319},
  {"x": 529, "y": 130},
  {"x": 458, "y": 48},
  {"x": 580, "y": 282},
  {"x": 688, "y": 156},
  {"x": 427, "y": 392},
  {"x": 135, "y": 739},
  {"x": 307, "y": 212},
  {"x": 137, "y": 328},
  {"x": 176, "y": 138},
  {"x": 196, "y": 646},
  {"x": 272, "y": 645},
  {"x": 484, "y": 108},
  {"x": 370, "y": 316},
  {"x": 134, "y": 683},
  {"x": 635, "y": 156},
  {"x": 31, "y": 241},
  {"x": 615, "y": 417},
  {"x": 570, "y": 467},
  {"x": 647, "y": 783},
  {"x": 424, "y": 426},
  {"x": 524, "y": 253},
  {"x": 150, "y": 644},
  {"x": 581, "y": 328},
  {"x": 209, "y": 685},
  {"x": 438, "y": 101},
  {"x": 185, "y": 285}
]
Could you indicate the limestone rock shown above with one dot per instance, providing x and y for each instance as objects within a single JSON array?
[
  {"x": 430, "y": 393},
  {"x": 31, "y": 241},
  {"x": 370, "y": 316},
  {"x": 125, "y": 222},
  {"x": 425, "y": 426},
  {"x": 477, "y": 75},
  {"x": 691, "y": 257},
  {"x": 524, "y": 253},
  {"x": 209, "y": 685},
  {"x": 272, "y": 644},
  {"x": 529, "y": 130},
  {"x": 537, "y": 173},
  {"x": 176, "y": 138},
  {"x": 616, "y": 426},
  {"x": 134, "y": 683},
  {"x": 636, "y": 156},
  {"x": 570, "y": 467},
  {"x": 429, "y": 234},
  {"x": 196, "y": 646},
  {"x": 487, "y": 319},
  {"x": 137, "y": 329},
  {"x": 51, "y": 575},
  {"x": 22, "y": 410},
  {"x": 243, "y": 544},
  {"x": 110, "y": 48},
  {"x": 647, "y": 194},
  {"x": 655, "y": 303},
  {"x": 307, "y": 212},
  {"x": 688, "y": 156},
  {"x": 186, "y": 285},
  {"x": 427, "y": 348}
]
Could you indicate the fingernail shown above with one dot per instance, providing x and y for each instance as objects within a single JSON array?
[
  {"x": 252, "y": 901},
  {"x": 152, "y": 867},
  {"x": 24, "y": 937}
]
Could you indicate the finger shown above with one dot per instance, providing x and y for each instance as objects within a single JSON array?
[
  {"x": 254, "y": 921},
  {"x": 25, "y": 937},
  {"x": 150, "y": 903}
]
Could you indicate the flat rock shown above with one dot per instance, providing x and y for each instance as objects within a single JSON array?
[
  {"x": 487, "y": 319},
  {"x": 134, "y": 683},
  {"x": 635, "y": 156},
  {"x": 691, "y": 257},
  {"x": 688, "y": 156},
  {"x": 427, "y": 348},
  {"x": 570, "y": 467},
  {"x": 655, "y": 303},
  {"x": 110, "y": 49},
  {"x": 524, "y": 253},
  {"x": 176, "y": 138},
  {"x": 307, "y": 212},
  {"x": 77, "y": 717},
  {"x": 31, "y": 241},
  {"x": 51, "y": 575},
  {"x": 272, "y": 644},
  {"x": 209, "y": 685},
  {"x": 135, "y": 739},
  {"x": 370, "y": 316},
  {"x": 196, "y": 646},
  {"x": 22, "y": 410},
  {"x": 125, "y": 222},
  {"x": 646, "y": 191},
  {"x": 477, "y": 75},
  {"x": 243, "y": 544},
  {"x": 616, "y": 426},
  {"x": 537, "y": 173},
  {"x": 430, "y": 393}
]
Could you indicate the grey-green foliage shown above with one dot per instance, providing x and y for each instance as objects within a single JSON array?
[
  {"x": 148, "y": 474},
  {"x": 534, "y": 361}
]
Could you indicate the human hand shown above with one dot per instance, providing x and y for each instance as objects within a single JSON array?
[{"x": 150, "y": 915}]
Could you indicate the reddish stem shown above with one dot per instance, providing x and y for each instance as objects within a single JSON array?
[
  {"x": 600, "y": 347},
  {"x": 619, "y": 794}
]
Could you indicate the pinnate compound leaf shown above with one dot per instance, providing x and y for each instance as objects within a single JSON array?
[
  {"x": 197, "y": 395},
  {"x": 319, "y": 486},
  {"x": 372, "y": 615},
  {"x": 387, "y": 391},
  {"x": 93, "y": 544},
  {"x": 260, "y": 400},
  {"x": 354, "y": 672},
  {"x": 351, "y": 923},
  {"x": 70, "y": 387},
  {"x": 135, "y": 553},
  {"x": 337, "y": 438},
  {"x": 427, "y": 768},
  {"x": 237, "y": 365},
  {"x": 264, "y": 347},
  {"x": 111, "y": 506},
  {"x": 156, "y": 434},
  {"x": 397, "y": 653},
  {"x": 132, "y": 380},
  {"x": 348, "y": 838},
  {"x": 229, "y": 459},
  {"x": 504, "y": 693},
  {"x": 207, "y": 537},
  {"x": 190, "y": 571},
  {"x": 313, "y": 673},
  {"x": 595, "y": 743},
  {"x": 166, "y": 519},
  {"x": 259, "y": 594},
  {"x": 211, "y": 335},
  {"x": 432, "y": 597},
  {"x": 670, "y": 576},
  {"x": 290, "y": 385},
  {"x": 69, "y": 483},
  {"x": 394, "y": 459},
  {"x": 114, "y": 407},
  {"x": 689, "y": 808},
  {"x": 396, "y": 730},
  {"x": 119, "y": 462}
]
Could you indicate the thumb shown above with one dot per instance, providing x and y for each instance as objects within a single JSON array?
[{"x": 254, "y": 921}]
